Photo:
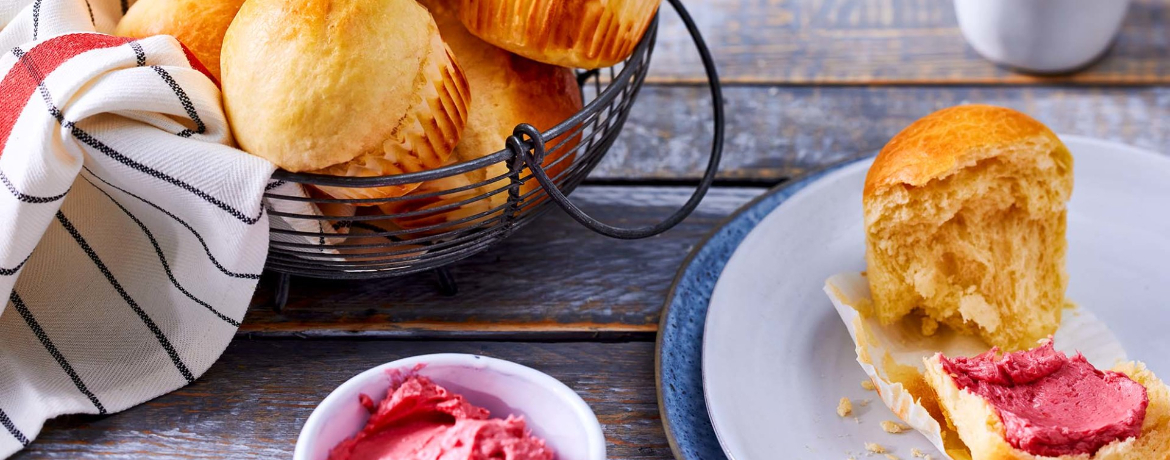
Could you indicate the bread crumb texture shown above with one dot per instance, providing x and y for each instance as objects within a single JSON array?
[
  {"x": 965, "y": 225},
  {"x": 844, "y": 407},
  {"x": 875, "y": 448},
  {"x": 867, "y": 385}
]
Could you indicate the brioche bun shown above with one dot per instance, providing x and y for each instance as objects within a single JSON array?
[
  {"x": 965, "y": 222},
  {"x": 343, "y": 87},
  {"x": 982, "y": 430},
  {"x": 198, "y": 25},
  {"x": 585, "y": 34},
  {"x": 509, "y": 90}
]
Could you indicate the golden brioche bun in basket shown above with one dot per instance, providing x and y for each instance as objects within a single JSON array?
[
  {"x": 199, "y": 25},
  {"x": 525, "y": 137},
  {"x": 508, "y": 90},
  {"x": 585, "y": 34},
  {"x": 965, "y": 224},
  {"x": 353, "y": 88}
]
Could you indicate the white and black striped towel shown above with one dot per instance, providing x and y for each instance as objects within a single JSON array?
[{"x": 131, "y": 234}]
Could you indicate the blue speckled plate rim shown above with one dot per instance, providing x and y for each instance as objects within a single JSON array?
[{"x": 678, "y": 350}]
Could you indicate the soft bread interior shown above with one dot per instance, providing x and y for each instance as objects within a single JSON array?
[
  {"x": 982, "y": 431},
  {"x": 980, "y": 249}
]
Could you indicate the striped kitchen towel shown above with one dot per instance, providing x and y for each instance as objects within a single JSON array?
[{"x": 132, "y": 233}]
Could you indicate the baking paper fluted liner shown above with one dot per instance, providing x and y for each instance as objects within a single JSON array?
[{"x": 893, "y": 355}]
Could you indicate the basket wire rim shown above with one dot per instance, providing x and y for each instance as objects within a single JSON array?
[{"x": 617, "y": 84}]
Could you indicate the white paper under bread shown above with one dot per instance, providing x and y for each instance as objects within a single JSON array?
[{"x": 1079, "y": 331}]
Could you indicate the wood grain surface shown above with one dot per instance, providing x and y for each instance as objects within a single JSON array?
[
  {"x": 918, "y": 42},
  {"x": 553, "y": 279},
  {"x": 556, "y": 279},
  {"x": 780, "y": 131},
  {"x": 252, "y": 403},
  {"x": 809, "y": 83}
]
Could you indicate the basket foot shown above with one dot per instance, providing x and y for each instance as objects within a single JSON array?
[
  {"x": 280, "y": 297},
  {"x": 447, "y": 285}
]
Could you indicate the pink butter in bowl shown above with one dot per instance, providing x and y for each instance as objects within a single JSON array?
[{"x": 451, "y": 406}]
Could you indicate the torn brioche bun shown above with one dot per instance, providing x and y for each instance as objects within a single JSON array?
[
  {"x": 982, "y": 431},
  {"x": 353, "y": 88},
  {"x": 965, "y": 224},
  {"x": 198, "y": 25},
  {"x": 509, "y": 90},
  {"x": 585, "y": 34}
]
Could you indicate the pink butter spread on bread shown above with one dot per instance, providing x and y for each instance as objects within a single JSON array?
[
  {"x": 421, "y": 420},
  {"x": 1051, "y": 404}
]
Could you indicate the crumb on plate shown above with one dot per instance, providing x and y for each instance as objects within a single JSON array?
[
  {"x": 868, "y": 385},
  {"x": 864, "y": 402},
  {"x": 892, "y": 457},
  {"x": 917, "y": 453},
  {"x": 875, "y": 448},
  {"x": 893, "y": 427},
  {"x": 844, "y": 408}
]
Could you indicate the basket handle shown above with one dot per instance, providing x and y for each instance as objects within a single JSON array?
[{"x": 532, "y": 151}]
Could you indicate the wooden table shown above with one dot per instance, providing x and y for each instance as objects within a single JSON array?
[{"x": 808, "y": 82}]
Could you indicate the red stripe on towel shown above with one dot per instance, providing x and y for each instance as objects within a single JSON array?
[{"x": 19, "y": 84}]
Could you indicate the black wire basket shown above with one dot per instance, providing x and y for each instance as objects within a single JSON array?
[{"x": 462, "y": 209}]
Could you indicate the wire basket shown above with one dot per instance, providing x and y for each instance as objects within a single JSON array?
[{"x": 462, "y": 209}]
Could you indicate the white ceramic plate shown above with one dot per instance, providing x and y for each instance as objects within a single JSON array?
[{"x": 777, "y": 358}]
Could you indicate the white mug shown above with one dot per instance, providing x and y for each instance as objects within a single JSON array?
[{"x": 1046, "y": 36}]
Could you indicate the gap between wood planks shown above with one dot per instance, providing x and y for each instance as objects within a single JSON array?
[
  {"x": 1022, "y": 81},
  {"x": 431, "y": 335},
  {"x": 730, "y": 182}
]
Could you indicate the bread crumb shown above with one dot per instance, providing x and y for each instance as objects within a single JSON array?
[
  {"x": 929, "y": 326},
  {"x": 875, "y": 448},
  {"x": 867, "y": 385},
  {"x": 844, "y": 408},
  {"x": 891, "y": 457},
  {"x": 893, "y": 427},
  {"x": 917, "y": 453},
  {"x": 864, "y": 402},
  {"x": 857, "y": 419},
  {"x": 927, "y": 457}
]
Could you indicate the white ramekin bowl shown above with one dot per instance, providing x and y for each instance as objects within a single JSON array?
[
  {"x": 1044, "y": 36},
  {"x": 552, "y": 410}
]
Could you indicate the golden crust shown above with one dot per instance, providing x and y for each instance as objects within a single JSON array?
[
  {"x": 509, "y": 90},
  {"x": 198, "y": 24},
  {"x": 585, "y": 34},
  {"x": 343, "y": 87},
  {"x": 947, "y": 140},
  {"x": 981, "y": 429}
]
